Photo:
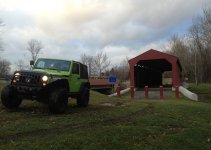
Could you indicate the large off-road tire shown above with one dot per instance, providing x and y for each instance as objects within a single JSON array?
[
  {"x": 83, "y": 97},
  {"x": 10, "y": 98},
  {"x": 58, "y": 101}
]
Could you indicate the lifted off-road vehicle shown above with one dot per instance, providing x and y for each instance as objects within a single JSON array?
[{"x": 50, "y": 81}]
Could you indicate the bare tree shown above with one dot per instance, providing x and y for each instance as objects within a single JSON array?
[
  {"x": 122, "y": 70},
  {"x": 101, "y": 62},
  {"x": 194, "y": 49},
  {"x": 89, "y": 61},
  {"x": 4, "y": 68},
  {"x": 34, "y": 48},
  {"x": 178, "y": 47},
  {"x": 20, "y": 65},
  {"x": 200, "y": 34},
  {"x": 96, "y": 64}
]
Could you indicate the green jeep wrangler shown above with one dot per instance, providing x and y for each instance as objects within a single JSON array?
[{"x": 50, "y": 81}]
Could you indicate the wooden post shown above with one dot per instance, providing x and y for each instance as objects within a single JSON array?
[
  {"x": 146, "y": 92},
  {"x": 177, "y": 91},
  {"x": 118, "y": 90},
  {"x": 161, "y": 92},
  {"x": 132, "y": 91}
]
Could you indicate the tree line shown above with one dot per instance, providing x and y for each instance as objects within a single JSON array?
[
  {"x": 100, "y": 65},
  {"x": 34, "y": 48},
  {"x": 194, "y": 49},
  {"x": 96, "y": 64}
]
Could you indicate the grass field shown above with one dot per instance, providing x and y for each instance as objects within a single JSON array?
[
  {"x": 202, "y": 88},
  {"x": 109, "y": 123}
]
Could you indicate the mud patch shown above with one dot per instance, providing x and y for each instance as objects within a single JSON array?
[
  {"x": 117, "y": 104},
  {"x": 108, "y": 104}
]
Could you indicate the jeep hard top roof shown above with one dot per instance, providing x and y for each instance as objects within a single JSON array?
[{"x": 59, "y": 59}]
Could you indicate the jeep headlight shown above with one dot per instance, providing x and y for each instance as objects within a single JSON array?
[
  {"x": 17, "y": 74},
  {"x": 45, "y": 78},
  {"x": 16, "y": 77}
]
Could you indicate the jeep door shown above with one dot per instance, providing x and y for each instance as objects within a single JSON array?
[{"x": 75, "y": 81}]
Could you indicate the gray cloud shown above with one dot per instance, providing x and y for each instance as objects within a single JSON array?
[
  {"x": 119, "y": 23},
  {"x": 90, "y": 26}
]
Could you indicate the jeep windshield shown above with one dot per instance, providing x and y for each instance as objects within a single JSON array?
[{"x": 51, "y": 64}]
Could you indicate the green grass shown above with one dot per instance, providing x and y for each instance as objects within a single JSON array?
[
  {"x": 202, "y": 88},
  {"x": 109, "y": 123}
]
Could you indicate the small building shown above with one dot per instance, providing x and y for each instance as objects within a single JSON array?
[{"x": 147, "y": 69}]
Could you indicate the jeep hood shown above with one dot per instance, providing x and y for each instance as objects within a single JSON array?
[{"x": 52, "y": 72}]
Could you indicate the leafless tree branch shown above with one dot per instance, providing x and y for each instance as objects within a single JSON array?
[{"x": 34, "y": 48}]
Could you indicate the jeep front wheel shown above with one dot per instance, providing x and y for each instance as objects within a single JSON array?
[
  {"x": 9, "y": 98},
  {"x": 58, "y": 101},
  {"x": 83, "y": 98}
]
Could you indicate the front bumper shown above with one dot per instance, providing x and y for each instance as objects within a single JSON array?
[{"x": 27, "y": 92}]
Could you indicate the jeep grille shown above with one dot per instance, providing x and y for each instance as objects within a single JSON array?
[{"x": 30, "y": 79}]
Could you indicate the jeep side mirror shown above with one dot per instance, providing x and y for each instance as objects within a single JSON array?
[{"x": 31, "y": 63}]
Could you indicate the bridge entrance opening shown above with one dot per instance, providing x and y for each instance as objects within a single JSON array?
[{"x": 150, "y": 72}]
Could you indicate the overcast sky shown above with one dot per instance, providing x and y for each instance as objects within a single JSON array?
[{"x": 68, "y": 28}]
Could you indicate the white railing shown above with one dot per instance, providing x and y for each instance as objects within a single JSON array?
[{"x": 188, "y": 93}]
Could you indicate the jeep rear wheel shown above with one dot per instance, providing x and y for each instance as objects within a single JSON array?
[
  {"x": 58, "y": 100},
  {"x": 83, "y": 98},
  {"x": 10, "y": 98}
]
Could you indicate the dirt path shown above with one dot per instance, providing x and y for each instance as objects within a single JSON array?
[{"x": 111, "y": 121}]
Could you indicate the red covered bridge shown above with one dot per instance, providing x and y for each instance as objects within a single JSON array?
[{"x": 147, "y": 69}]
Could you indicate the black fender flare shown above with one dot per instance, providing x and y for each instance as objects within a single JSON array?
[{"x": 58, "y": 83}]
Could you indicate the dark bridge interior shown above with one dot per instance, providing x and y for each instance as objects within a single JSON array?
[{"x": 149, "y": 72}]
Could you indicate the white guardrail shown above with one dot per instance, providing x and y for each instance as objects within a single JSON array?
[
  {"x": 121, "y": 92},
  {"x": 182, "y": 90},
  {"x": 188, "y": 93}
]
